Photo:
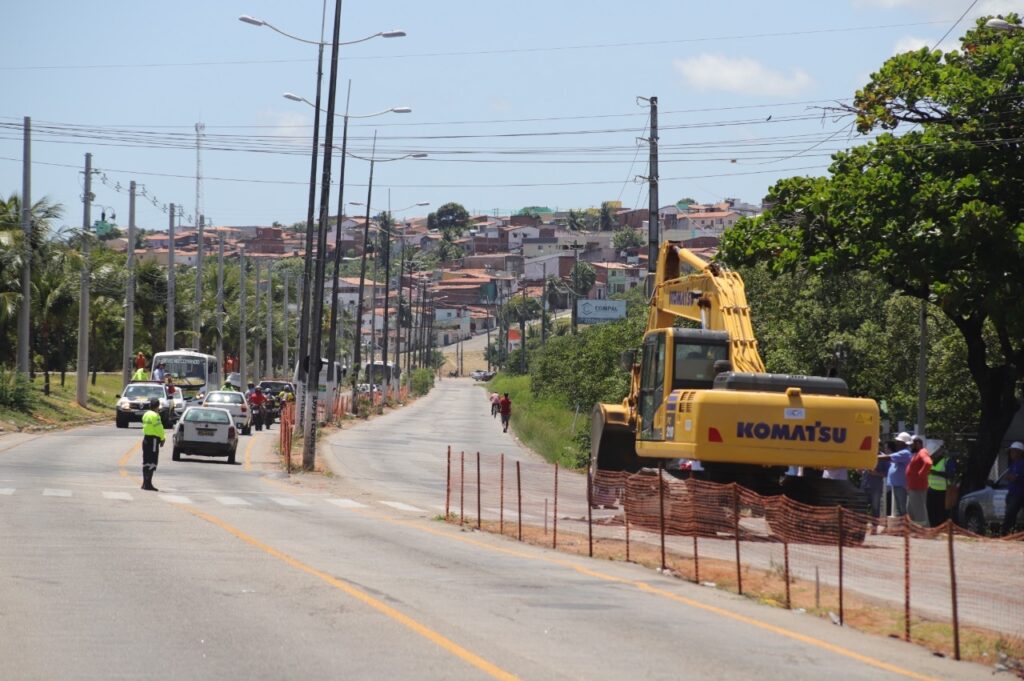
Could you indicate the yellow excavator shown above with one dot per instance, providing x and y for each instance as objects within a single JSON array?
[{"x": 703, "y": 394}]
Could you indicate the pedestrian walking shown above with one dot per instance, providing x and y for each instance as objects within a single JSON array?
[
  {"x": 1015, "y": 492},
  {"x": 495, "y": 399},
  {"x": 897, "y": 475},
  {"x": 917, "y": 481},
  {"x": 505, "y": 407},
  {"x": 152, "y": 441}
]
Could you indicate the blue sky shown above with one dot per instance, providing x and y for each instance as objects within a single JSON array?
[{"x": 472, "y": 70}]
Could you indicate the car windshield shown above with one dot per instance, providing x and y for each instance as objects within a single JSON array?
[
  {"x": 144, "y": 392},
  {"x": 274, "y": 386},
  {"x": 225, "y": 398},
  {"x": 207, "y": 416}
]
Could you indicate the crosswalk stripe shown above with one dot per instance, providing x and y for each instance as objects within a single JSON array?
[
  {"x": 120, "y": 496},
  {"x": 175, "y": 499},
  {"x": 346, "y": 503},
  {"x": 402, "y": 507},
  {"x": 7, "y": 491},
  {"x": 49, "y": 492},
  {"x": 287, "y": 501},
  {"x": 232, "y": 501}
]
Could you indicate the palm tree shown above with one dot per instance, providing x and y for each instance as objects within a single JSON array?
[{"x": 522, "y": 309}]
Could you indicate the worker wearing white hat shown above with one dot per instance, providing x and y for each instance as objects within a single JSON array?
[{"x": 897, "y": 477}]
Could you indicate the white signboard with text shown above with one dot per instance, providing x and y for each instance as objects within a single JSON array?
[{"x": 599, "y": 311}]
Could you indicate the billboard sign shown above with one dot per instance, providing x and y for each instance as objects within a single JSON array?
[{"x": 599, "y": 311}]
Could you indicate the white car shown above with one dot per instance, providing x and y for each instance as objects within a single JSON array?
[
  {"x": 236, "y": 404},
  {"x": 205, "y": 431},
  {"x": 133, "y": 402}
]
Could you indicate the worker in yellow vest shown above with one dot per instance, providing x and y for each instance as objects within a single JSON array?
[
  {"x": 152, "y": 441},
  {"x": 941, "y": 476},
  {"x": 140, "y": 374}
]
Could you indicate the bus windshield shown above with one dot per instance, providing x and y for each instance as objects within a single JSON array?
[{"x": 185, "y": 370}]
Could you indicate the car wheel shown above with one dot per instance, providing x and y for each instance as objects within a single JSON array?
[
  {"x": 176, "y": 454},
  {"x": 231, "y": 457},
  {"x": 974, "y": 521},
  {"x": 121, "y": 421}
]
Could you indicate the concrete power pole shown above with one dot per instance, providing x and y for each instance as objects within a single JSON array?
[
  {"x": 256, "y": 373},
  {"x": 129, "y": 295},
  {"x": 243, "y": 364},
  {"x": 171, "y": 284},
  {"x": 285, "y": 328},
  {"x": 24, "y": 314},
  {"x": 197, "y": 317},
  {"x": 82, "y": 367},
  {"x": 653, "y": 227},
  {"x": 220, "y": 303},
  {"x": 270, "y": 322}
]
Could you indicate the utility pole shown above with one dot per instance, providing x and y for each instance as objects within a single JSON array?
[
  {"x": 653, "y": 227},
  {"x": 270, "y": 322},
  {"x": 398, "y": 317},
  {"x": 286, "y": 330},
  {"x": 220, "y": 303},
  {"x": 197, "y": 317},
  {"x": 129, "y": 297},
  {"x": 358, "y": 345},
  {"x": 544, "y": 307},
  {"x": 332, "y": 338},
  {"x": 256, "y": 373},
  {"x": 169, "y": 339},
  {"x": 243, "y": 341},
  {"x": 317, "y": 302},
  {"x": 24, "y": 314},
  {"x": 922, "y": 370},
  {"x": 82, "y": 367},
  {"x": 386, "y": 233}
]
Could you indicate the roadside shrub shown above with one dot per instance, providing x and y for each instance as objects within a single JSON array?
[
  {"x": 422, "y": 381},
  {"x": 15, "y": 390}
]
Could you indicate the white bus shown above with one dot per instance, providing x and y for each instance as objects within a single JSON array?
[
  {"x": 328, "y": 390},
  {"x": 383, "y": 375},
  {"x": 193, "y": 372}
]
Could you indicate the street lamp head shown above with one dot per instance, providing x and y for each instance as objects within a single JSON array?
[
  {"x": 401, "y": 109},
  {"x": 245, "y": 18},
  {"x": 356, "y": 203},
  {"x": 423, "y": 203},
  {"x": 392, "y": 34},
  {"x": 1001, "y": 25},
  {"x": 293, "y": 97},
  {"x": 420, "y": 155}
]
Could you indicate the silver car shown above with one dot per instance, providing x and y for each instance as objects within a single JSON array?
[{"x": 985, "y": 509}]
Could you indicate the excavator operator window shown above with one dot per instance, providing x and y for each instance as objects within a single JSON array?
[
  {"x": 652, "y": 384},
  {"x": 694, "y": 365}
]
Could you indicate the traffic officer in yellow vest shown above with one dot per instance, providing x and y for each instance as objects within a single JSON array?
[
  {"x": 152, "y": 441},
  {"x": 140, "y": 374},
  {"x": 940, "y": 477}
]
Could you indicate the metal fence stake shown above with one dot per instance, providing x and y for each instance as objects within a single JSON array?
[
  {"x": 906, "y": 578},
  {"x": 736, "y": 531},
  {"x": 448, "y": 487},
  {"x": 501, "y": 498},
  {"x": 839, "y": 516},
  {"x": 590, "y": 514},
  {"x": 785, "y": 562},
  {"x": 661, "y": 510},
  {"x": 478, "y": 514},
  {"x": 462, "y": 488},
  {"x": 625, "y": 510},
  {"x": 554, "y": 515},
  {"x": 519, "y": 502},
  {"x": 952, "y": 592}
]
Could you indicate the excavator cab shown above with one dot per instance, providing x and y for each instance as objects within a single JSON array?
[{"x": 676, "y": 359}]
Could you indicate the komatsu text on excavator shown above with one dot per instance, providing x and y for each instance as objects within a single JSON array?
[{"x": 703, "y": 394}]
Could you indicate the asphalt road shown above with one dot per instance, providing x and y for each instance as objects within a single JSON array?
[{"x": 230, "y": 572}]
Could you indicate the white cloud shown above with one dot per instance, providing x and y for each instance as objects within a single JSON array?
[
  {"x": 739, "y": 74},
  {"x": 910, "y": 43},
  {"x": 289, "y": 123}
]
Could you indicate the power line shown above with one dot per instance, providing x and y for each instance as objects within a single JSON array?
[{"x": 474, "y": 53}]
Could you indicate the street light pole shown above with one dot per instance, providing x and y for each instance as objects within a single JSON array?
[
  {"x": 25, "y": 314},
  {"x": 171, "y": 284},
  {"x": 332, "y": 338},
  {"x": 129, "y": 296},
  {"x": 316, "y": 324},
  {"x": 82, "y": 368},
  {"x": 357, "y": 344}
]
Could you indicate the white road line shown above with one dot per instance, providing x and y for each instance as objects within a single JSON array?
[
  {"x": 346, "y": 503},
  {"x": 287, "y": 501},
  {"x": 402, "y": 507},
  {"x": 175, "y": 498},
  {"x": 232, "y": 501},
  {"x": 48, "y": 492},
  {"x": 119, "y": 496},
  {"x": 7, "y": 491}
]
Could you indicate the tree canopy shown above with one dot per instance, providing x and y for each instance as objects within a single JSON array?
[{"x": 936, "y": 212}]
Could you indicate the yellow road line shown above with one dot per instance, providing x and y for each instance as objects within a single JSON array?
[
  {"x": 123, "y": 461},
  {"x": 360, "y": 595},
  {"x": 647, "y": 588}
]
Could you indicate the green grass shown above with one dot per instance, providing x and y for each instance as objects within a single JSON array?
[
  {"x": 544, "y": 425},
  {"x": 59, "y": 407}
]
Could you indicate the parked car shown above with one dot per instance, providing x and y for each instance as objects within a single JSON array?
[
  {"x": 984, "y": 509},
  {"x": 235, "y": 404},
  {"x": 481, "y": 375},
  {"x": 133, "y": 402},
  {"x": 205, "y": 431}
]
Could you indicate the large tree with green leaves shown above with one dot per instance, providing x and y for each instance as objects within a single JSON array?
[
  {"x": 626, "y": 237},
  {"x": 936, "y": 212}
]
